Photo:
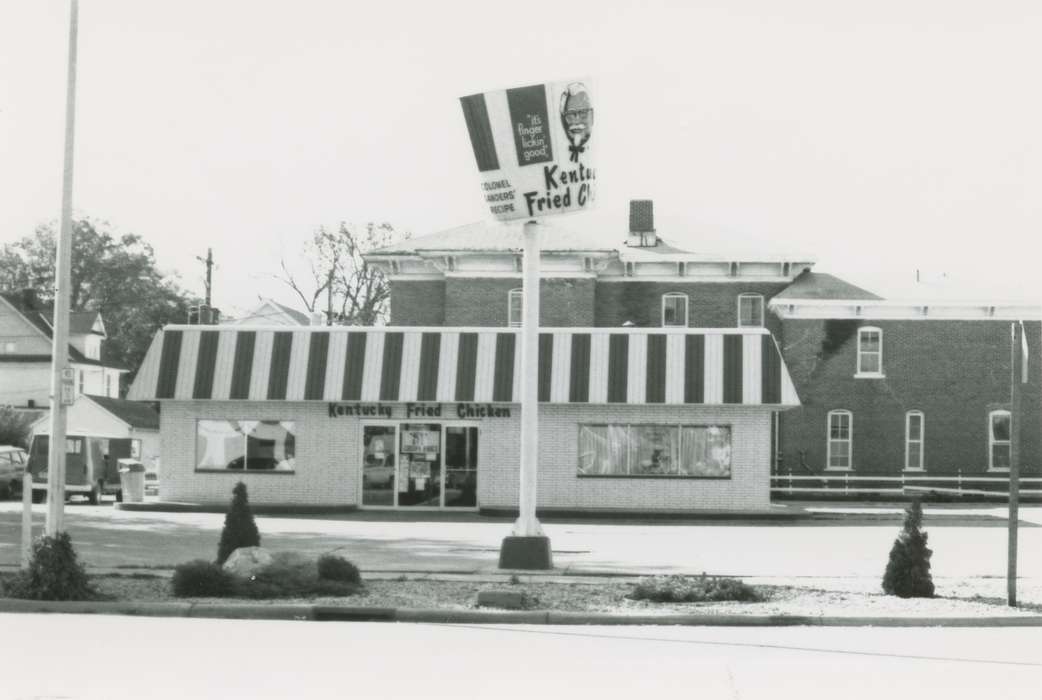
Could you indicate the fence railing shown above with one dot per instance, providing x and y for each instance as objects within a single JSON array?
[{"x": 853, "y": 484}]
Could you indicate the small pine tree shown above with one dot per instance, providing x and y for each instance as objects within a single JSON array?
[
  {"x": 908, "y": 571},
  {"x": 54, "y": 573},
  {"x": 239, "y": 528}
]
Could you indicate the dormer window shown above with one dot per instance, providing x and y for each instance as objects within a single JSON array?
[
  {"x": 681, "y": 269},
  {"x": 674, "y": 309},
  {"x": 588, "y": 264},
  {"x": 786, "y": 269},
  {"x": 450, "y": 263},
  {"x": 733, "y": 271}
]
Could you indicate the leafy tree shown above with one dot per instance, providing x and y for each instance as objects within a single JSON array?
[
  {"x": 14, "y": 427},
  {"x": 908, "y": 571},
  {"x": 113, "y": 274},
  {"x": 239, "y": 528},
  {"x": 339, "y": 279}
]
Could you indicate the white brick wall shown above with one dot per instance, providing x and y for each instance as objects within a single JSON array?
[{"x": 328, "y": 458}]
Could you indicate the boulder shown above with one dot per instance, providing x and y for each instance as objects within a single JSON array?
[{"x": 247, "y": 561}]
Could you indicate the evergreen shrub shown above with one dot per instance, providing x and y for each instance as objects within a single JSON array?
[
  {"x": 693, "y": 589},
  {"x": 54, "y": 573},
  {"x": 908, "y": 571},
  {"x": 202, "y": 579},
  {"x": 240, "y": 530},
  {"x": 334, "y": 568}
]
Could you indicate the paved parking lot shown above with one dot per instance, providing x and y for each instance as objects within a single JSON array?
[{"x": 967, "y": 542}]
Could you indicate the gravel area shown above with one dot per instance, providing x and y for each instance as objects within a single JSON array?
[{"x": 609, "y": 596}]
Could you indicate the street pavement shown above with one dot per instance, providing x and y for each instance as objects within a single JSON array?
[
  {"x": 967, "y": 542},
  {"x": 124, "y": 657}
]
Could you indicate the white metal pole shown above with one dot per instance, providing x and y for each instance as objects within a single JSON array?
[
  {"x": 27, "y": 518},
  {"x": 60, "y": 351},
  {"x": 527, "y": 525}
]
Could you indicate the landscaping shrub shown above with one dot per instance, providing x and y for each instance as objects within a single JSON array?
[
  {"x": 53, "y": 574},
  {"x": 202, "y": 579},
  {"x": 693, "y": 589},
  {"x": 334, "y": 568},
  {"x": 239, "y": 528},
  {"x": 908, "y": 571},
  {"x": 289, "y": 576}
]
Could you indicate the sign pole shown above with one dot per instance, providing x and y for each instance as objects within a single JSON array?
[
  {"x": 62, "y": 282},
  {"x": 1014, "y": 472},
  {"x": 527, "y": 524}
]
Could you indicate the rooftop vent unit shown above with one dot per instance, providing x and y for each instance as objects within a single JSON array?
[
  {"x": 642, "y": 224},
  {"x": 203, "y": 315}
]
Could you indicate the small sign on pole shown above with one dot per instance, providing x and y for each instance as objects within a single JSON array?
[{"x": 68, "y": 386}]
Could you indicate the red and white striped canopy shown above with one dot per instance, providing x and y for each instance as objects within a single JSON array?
[{"x": 407, "y": 364}]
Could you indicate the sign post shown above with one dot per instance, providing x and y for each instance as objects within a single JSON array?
[{"x": 534, "y": 154}]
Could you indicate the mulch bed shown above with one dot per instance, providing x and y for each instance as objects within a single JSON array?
[{"x": 607, "y": 596}]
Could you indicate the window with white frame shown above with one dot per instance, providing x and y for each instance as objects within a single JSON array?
[
  {"x": 915, "y": 426},
  {"x": 750, "y": 310},
  {"x": 674, "y": 309},
  {"x": 1000, "y": 444},
  {"x": 514, "y": 307},
  {"x": 245, "y": 445},
  {"x": 870, "y": 351},
  {"x": 840, "y": 439},
  {"x": 647, "y": 450},
  {"x": 81, "y": 381}
]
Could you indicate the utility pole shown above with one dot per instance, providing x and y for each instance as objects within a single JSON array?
[
  {"x": 208, "y": 261},
  {"x": 1014, "y": 457},
  {"x": 61, "y": 381}
]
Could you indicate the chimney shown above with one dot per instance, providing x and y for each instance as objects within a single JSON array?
[{"x": 642, "y": 224}]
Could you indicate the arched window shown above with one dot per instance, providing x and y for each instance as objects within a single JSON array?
[
  {"x": 915, "y": 429},
  {"x": 870, "y": 351},
  {"x": 840, "y": 440},
  {"x": 674, "y": 309},
  {"x": 514, "y": 308},
  {"x": 750, "y": 310},
  {"x": 1000, "y": 443}
]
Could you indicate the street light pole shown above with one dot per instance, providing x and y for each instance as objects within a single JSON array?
[{"x": 62, "y": 281}]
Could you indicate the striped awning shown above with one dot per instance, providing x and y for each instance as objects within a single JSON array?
[{"x": 576, "y": 365}]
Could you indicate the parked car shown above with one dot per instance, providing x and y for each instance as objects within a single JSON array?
[{"x": 12, "y": 469}]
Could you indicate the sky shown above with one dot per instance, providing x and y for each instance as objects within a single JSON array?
[{"x": 877, "y": 138}]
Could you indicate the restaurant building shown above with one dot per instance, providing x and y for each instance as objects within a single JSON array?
[{"x": 669, "y": 381}]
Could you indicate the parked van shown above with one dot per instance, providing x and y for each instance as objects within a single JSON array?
[{"x": 91, "y": 466}]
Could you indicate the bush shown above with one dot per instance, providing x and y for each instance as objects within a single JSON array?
[
  {"x": 202, "y": 579},
  {"x": 53, "y": 574},
  {"x": 693, "y": 589},
  {"x": 334, "y": 568},
  {"x": 289, "y": 576},
  {"x": 908, "y": 571},
  {"x": 239, "y": 528}
]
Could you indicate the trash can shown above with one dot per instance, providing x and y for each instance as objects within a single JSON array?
[{"x": 132, "y": 480}]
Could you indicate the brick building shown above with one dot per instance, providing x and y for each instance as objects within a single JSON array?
[{"x": 669, "y": 380}]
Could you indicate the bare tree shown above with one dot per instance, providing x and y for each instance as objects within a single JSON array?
[{"x": 355, "y": 293}]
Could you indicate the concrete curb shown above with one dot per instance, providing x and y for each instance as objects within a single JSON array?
[{"x": 335, "y": 613}]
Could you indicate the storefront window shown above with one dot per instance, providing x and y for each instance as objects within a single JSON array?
[
  {"x": 246, "y": 445},
  {"x": 654, "y": 450}
]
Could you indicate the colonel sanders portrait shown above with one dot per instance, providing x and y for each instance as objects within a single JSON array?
[{"x": 576, "y": 118}]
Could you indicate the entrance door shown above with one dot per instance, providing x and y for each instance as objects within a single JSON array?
[
  {"x": 378, "y": 461},
  {"x": 419, "y": 473}
]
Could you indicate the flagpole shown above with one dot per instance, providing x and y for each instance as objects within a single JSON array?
[
  {"x": 62, "y": 282},
  {"x": 1014, "y": 469}
]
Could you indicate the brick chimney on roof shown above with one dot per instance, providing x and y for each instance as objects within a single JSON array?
[{"x": 642, "y": 224}]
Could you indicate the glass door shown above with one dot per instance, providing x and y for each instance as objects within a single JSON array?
[
  {"x": 419, "y": 470},
  {"x": 378, "y": 461},
  {"x": 461, "y": 466}
]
